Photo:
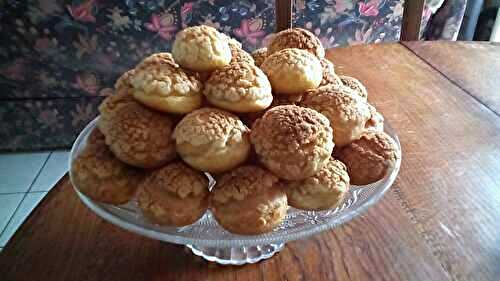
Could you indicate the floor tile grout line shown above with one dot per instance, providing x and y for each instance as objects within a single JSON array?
[
  {"x": 39, "y": 172},
  {"x": 22, "y": 192},
  {"x": 26, "y": 193},
  {"x": 478, "y": 100}
]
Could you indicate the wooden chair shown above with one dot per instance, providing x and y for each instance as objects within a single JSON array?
[{"x": 410, "y": 30}]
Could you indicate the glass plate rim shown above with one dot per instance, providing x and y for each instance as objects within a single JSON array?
[{"x": 246, "y": 240}]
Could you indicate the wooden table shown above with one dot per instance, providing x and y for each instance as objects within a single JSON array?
[{"x": 440, "y": 220}]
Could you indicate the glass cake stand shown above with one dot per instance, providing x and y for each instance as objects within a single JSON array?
[{"x": 207, "y": 239}]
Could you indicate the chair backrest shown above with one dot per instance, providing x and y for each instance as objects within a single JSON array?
[{"x": 412, "y": 17}]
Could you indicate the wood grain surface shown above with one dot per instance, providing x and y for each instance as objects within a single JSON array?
[
  {"x": 440, "y": 220},
  {"x": 474, "y": 67},
  {"x": 449, "y": 183}
]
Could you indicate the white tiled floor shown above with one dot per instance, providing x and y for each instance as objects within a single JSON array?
[
  {"x": 18, "y": 170},
  {"x": 25, "y": 179},
  {"x": 54, "y": 169}
]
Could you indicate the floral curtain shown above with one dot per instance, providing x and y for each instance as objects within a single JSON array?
[
  {"x": 59, "y": 58},
  {"x": 350, "y": 22}
]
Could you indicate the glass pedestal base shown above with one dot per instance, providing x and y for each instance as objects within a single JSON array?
[{"x": 236, "y": 255}]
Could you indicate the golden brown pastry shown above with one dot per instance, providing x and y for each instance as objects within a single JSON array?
[
  {"x": 250, "y": 117},
  {"x": 369, "y": 158},
  {"x": 137, "y": 135},
  {"x": 249, "y": 200},
  {"x": 329, "y": 76},
  {"x": 112, "y": 103},
  {"x": 292, "y": 142},
  {"x": 202, "y": 76},
  {"x": 239, "y": 87},
  {"x": 98, "y": 174},
  {"x": 123, "y": 83},
  {"x": 166, "y": 87},
  {"x": 297, "y": 38},
  {"x": 355, "y": 85},
  {"x": 293, "y": 71},
  {"x": 212, "y": 140},
  {"x": 201, "y": 48},
  {"x": 174, "y": 195},
  {"x": 259, "y": 56},
  {"x": 157, "y": 59},
  {"x": 346, "y": 111},
  {"x": 239, "y": 55},
  {"x": 325, "y": 190}
]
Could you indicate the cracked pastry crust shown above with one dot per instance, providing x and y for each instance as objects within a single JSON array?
[
  {"x": 297, "y": 38},
  {"x": 212, "y": 140},
  {"x": 238, "y": 55},
  {"x": 167, "y": 59},
  {"x": 369, "y": 158},
  {"x": 174, "y": 195},
  {"x": 355, "y": 85},
  {"x": 112, "y": 103},
  {"x": 137, "y": 135},
  {"x": 122, "y": 84},
  {"x": 164, "y": 86},
  {"x": 325, "y": 190},
  {"x": 101, "y": 176},
  {"x": 157, "y": 59},
  {"x": 250, "y": 117},
  {"x": 293, "y": 71},
  {"x": 347, "y": 112},
  {"x": 249, "y": 200},
  {"x": 329, "y": 76},
  {"x": 239, "y": 87},
  {"x": 292, "y": 142},
  {"x": 201, "y": 48},
  {"x": 259, "y": 56}
]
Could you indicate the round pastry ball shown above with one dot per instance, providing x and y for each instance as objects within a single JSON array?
[
  {"x": 98, "y": 174},
  {"x": 293, "y": 142},
  {"x": 259, "y": 56},
  {"x": 167, "y": 88},
  {"x": 238, "y": 55},
  {"x": 201, "y": 48},
  {"x": 329, "y": 76},
  {"x": 249, "y": 200},
  {"x": 212, "y": 140},
  {"x": 297, "y": 38},
  {"x": 293, "y": 71},
  {"x": 369, "y": 158},
  {"x": 157, "y": 59},
  {"x": 346, "y": 111},
  {"x": 239, "y": 87},
  {"x": 111, "y": 104},
  {"x": 174, "y": 195},
  {"x": 250, "y": 117},
  {"x": 376, "y": 121},
  {"x": 123, "y": 83},
  {"x": 355, "y": 85},
  {"x": 137, "y": 135},
  {"x": 325, "y": 190}
]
